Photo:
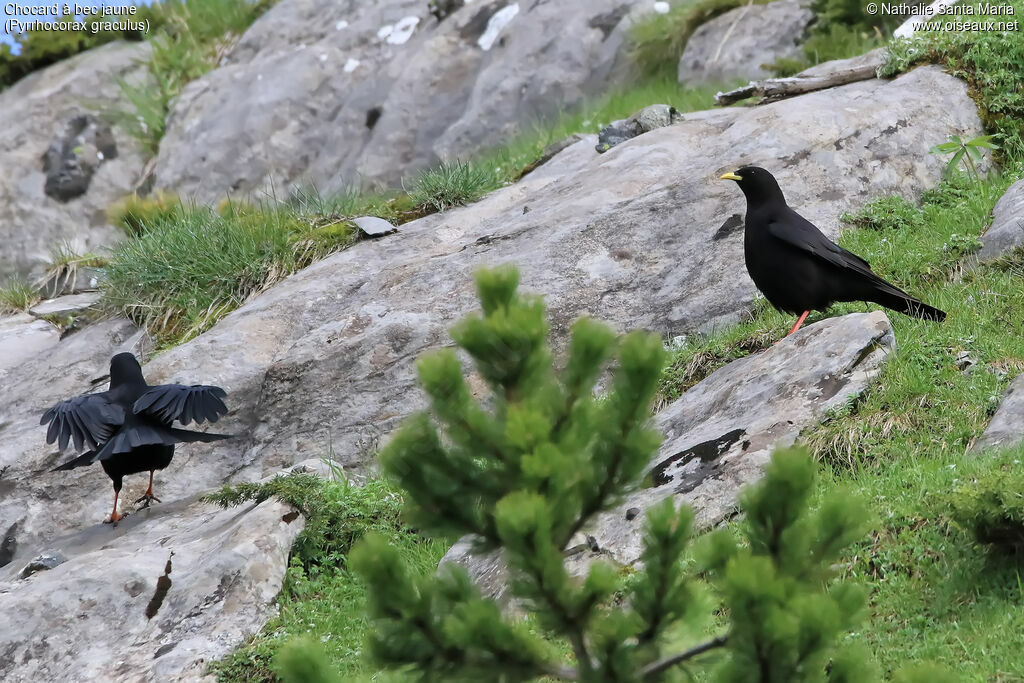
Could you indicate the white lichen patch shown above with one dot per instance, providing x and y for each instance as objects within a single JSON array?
[
  {"x": 340, "y": 25},
  {"x": 351, "y": 65},
  {"x": 496, "y": 25},
  {"x": 661, "y": 7},
  {"x": 403, "y": 30},
  {"x": 385, "y": 31}
]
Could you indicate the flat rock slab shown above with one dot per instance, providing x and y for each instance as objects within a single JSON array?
[
  {"x": 720, "y": 434},
  {"x": 66, "y": 305},
  {"x": 1007, "y": 229},
  {"x": 1007, "y": 426},
  {"x": 154, "y": 599},
  {"x": 23, "y": 337}
]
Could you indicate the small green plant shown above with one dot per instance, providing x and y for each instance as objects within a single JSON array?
[
  {"x": 452, "y": 184},
  {"x": 991, "y": 507},
  {"x": 968, "y": 151},
  {"x": 17, "y": 296},
  {"x": 524, "y": 469}
]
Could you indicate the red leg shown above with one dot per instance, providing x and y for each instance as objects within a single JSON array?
[
  {"x": 114, "y": 517},
  {"x": 799, "y": 322},
  {"x": 149, "y": 497}
]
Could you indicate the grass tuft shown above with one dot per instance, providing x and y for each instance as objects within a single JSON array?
[
  {"x": 452, "y": 184},
  {"x": 17, "y": 296},
  {"x": 193, "y": 265}
]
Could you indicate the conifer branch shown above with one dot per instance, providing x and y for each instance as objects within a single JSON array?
[{"x": 662, "y": 665}]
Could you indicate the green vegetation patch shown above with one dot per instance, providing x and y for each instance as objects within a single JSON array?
[
  {"x": 17, "y": 296},
  {"x": 322, "y": 599},
  {"x": 192, "y": 265},
  {"x": 991, "y": 62}
]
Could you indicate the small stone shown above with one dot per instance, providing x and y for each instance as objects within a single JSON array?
[
  {"x": 631, "y": 514},
  {"x": 48, "y": 559},
  {"x": 371, "y": 226},
  {"x": 964, "y": 360}
]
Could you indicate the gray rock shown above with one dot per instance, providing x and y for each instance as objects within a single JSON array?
[
  {"x": 738, "y": 43},
  {"x": 22, "y": 337},
  {"x": 48, "y": 559},
  {"x": 720, "y": 434},
  {"x": 39, "y": 116},
  {"x": 333, "y": 93},
  {"x": 66, "y": 305},
  {"x": 1007, "y": 229},
  {"x": 643, "y": 236},
  {"x": 644, "y": 121},
  {"x": 74, "y": 155},
  {"x": 371, "y": 226},
  {"x": 154, "y": 599},
  {"x": 1007, "y": 426}
]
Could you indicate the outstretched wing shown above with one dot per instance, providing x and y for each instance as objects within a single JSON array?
[
  {"x": 88, "y": 420},
  {"x": 170, "y": 402}
]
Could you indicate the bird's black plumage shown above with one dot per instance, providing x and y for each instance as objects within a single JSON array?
[
  {"x": 128, "y": 427},
  {"x": 797, "y": 268}
]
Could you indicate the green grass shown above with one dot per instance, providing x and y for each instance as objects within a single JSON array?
[
  {"x": 193, "y": 265},
  {"x": 450, "y": 185},
  {"x": 936, "y": 594},
  {"x": 322, "y": 599},
  {"x": 17, "y": 296}
]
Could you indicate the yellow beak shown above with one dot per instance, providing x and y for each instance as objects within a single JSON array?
[{"x": 729, "y": 176}]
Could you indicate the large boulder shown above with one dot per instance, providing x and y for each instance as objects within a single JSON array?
[
  {"x": 738, "y": 44},
  {"x": 720, "y": 434},
  {"x": 643, "y": 236},
  {"x": 63, "y": 164},
  {"x": 1007, "y": 229},
  {"x": 335, "y": 93},
  {"x": 154, "y": 599}
]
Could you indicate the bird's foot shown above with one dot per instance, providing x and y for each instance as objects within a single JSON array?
[
  {"x": 146, "y": 500},
  {"x": 114, "y": 518}
]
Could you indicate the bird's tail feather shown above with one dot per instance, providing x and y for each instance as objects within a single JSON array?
[
  {"x": 902, "y": 302},
  {"x": 80, "y": 461}
]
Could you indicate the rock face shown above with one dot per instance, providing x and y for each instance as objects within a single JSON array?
[
  {"x": 1007, "y": 426},
  {"x": 153, "y": 599},
  {"x": 62, "y": 166},
  {"x": 1007, "y": 230},
  {"x": 643, "y": 236},
  {"x": 736, "y": 44},
  {"x": 720, "y": 434},
  {"x": 336, "y": 93}
]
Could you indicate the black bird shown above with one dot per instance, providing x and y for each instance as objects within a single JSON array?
[
  {"x": 797, "y": 268},
  {"x": 128, "y": 427}
]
